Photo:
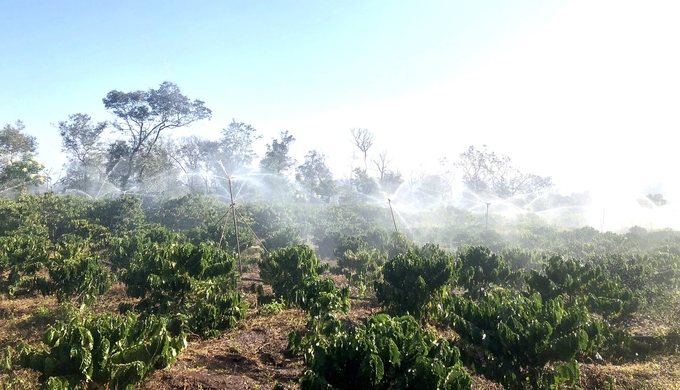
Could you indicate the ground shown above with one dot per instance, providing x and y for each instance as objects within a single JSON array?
[{"x": 253, "y": 354}]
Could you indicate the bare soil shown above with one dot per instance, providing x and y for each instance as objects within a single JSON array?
[{"x": 253, "y": 354}]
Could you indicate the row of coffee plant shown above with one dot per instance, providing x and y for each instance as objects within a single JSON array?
[{"x": 523, "y": 316}]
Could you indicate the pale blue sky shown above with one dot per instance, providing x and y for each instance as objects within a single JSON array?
[
  {"x": 585, "y": 91},
  {"x": 255, "y": 61}
]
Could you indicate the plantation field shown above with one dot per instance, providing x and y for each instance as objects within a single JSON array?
[{"x": 120, "y": 293}]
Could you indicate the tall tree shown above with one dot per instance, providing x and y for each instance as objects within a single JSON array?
[
  {"x": 144, "y": 115},
  {"x": 196, "y": 157},
  {"x": 276, "y": 159},
  {"x": 315, "y": 176},
  {"x": 18, "y": 168},
  {"x": 14, "y": 143},
  {"x": 236, "y": 146},
  {"x": 161, "y": 172},
  {"x": 381, "y": 163},
  {"x": 391, "y": 181},
  {"x": 364, "y": 183},
  {"x": 363, "y": 139},
  {"x": 474, "y": 164},
  {"x": 489, "y": 172},
  {"x": 80, "y": 139}
]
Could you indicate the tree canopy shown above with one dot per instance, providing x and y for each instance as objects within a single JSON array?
[
  {"x": 277, "y": 159},
  {"x": 314, "y": 175},
  {"x": 143, "y": 115},
  {"x": 488, "y": 172},
  {"x": 236, "y": 146},
  {"x": 80, "y": 140},
  {"x": 18, "y": 167}
]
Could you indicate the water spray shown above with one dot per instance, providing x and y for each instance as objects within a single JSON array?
[
  {"x": 487, "y": 216},
  {"x": 392, "y": 212}
]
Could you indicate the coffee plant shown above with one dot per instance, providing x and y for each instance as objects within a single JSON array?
[
  {"x": 412, "y": 280},
  {"x": 195, "y": 283},
  {"x": 482, "y": 269},
  {"x": 22, "y": 255},
  {"x": 76, "y": 273},
  {"x": 578, "y": 283},
  {"x": 286, "y": 268},
  {"x": 361, "y": 268},
  {"x": 513, "y": 338},
  {"x": 103, "y": 351},
  {"x": 382, "y": 353}
]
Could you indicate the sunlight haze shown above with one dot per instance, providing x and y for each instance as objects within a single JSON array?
[{"x": 583, "y": 91}]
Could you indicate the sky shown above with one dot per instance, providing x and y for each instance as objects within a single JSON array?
[{"x": 584, "y": 91}]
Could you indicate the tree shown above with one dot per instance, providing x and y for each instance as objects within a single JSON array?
[
  {"x": 315, "y": 176},
  {"x": 143, "y": 115},
  {"x": 473, "y": 163},
  {"x": 381, "y": 163},
  {"x": 391, "y": 181},
  {"x": 196, "y": 157},
  {"x": 364, "y": 183},
  {"x": 18, "y": 168},
  {"x": 14, "y": 144},
  {"x": 236, "y": 146},
  {"x": 276, "y": 159},
  {"x": 363, "y": 139},
  {"x": 161, "y": 173},
  {"x": 117, "y": 157},
  {"x": 488, "y": 172},
  {"x": 80, "y": 138}
]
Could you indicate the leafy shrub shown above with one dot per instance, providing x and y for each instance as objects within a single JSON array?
[
  {"x": 75, "y": 273},
  {"x": 580, "y": 283},
  {"x": 382, "y": 353},
  {"x": 266, "y": 220},
  {"x": 520, "y": 258},
  {"x": 481, "y": 269},
  {"x": 118, "y": 215},
  {"x": 362, "y": 267},
  {"x": 96, "y": 235},
  {"x": 349, "y": 243},
  {"x": 107, "y": 350},
  {"x": 281, "y": 238},
  {"x": 398, "y": 244},
  {"x": 195, "y": 283},
  {"x": 288, "y": 267},
  {"x": 510, "y": 337},
  {"x": 270, "y": 308},
  {"x": 213, "y": 309},
  {"x": 648, "y": 276},
  {"x": 187, "y": 212},
  {"x": 222, "y": 234},
  {"x": 319, "y": 297},
  {"x": 413, "y": 280},
  {"x": 123, "y": 249},
  {"x": 54, "y": 212},
  {"x": 22, "y": 255}
]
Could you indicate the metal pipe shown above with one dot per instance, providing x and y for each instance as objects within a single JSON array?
[
  {"x": 233, "y": 214},
  {"x": 392, "y": 212}
]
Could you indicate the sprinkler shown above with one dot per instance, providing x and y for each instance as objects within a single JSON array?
[
  {"x": 233, "y": 214},
  {"x": 392, "y": 212}
]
